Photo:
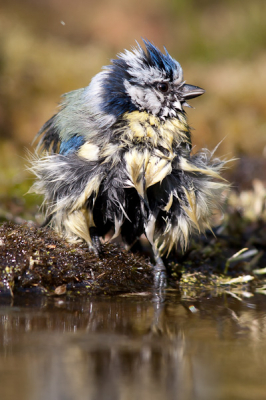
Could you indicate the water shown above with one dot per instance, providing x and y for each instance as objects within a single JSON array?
[{"x": 133, "y": 347}]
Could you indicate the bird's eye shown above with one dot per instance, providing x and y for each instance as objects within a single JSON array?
[{"x": 163, "y": 87}]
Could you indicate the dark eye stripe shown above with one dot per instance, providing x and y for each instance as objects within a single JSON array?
[{"x": 163, "y": 87}]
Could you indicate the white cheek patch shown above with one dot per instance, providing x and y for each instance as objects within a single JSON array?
[
  {"x": 143, "y": 98},
  {"x": 135, "y": 92},
  {"x": 153, "y": 103}
]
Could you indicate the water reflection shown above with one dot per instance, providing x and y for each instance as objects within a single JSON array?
[{"x": 133, "y": 348}]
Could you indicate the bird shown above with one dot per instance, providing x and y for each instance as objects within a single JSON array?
[{"x": 117, "y": 158}]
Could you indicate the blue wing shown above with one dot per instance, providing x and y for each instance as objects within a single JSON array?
[{"x": 71, "y": 145}]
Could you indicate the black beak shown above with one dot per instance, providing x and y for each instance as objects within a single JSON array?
[{"x": 190, "y": 91}]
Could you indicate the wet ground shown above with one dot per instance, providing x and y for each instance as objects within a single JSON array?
[
  {"x": 76, "y": 327},
  {"x": 182, "y": 345}
]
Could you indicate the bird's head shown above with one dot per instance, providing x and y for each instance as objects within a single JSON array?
[{"x": 143, "y": 80}]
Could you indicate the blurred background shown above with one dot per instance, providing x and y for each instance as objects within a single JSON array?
[{"x": 49, "y": 47}]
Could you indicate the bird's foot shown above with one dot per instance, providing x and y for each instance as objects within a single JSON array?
[
  {"x": 160, "y": 277},
  {"x": 96, "y": 244}
]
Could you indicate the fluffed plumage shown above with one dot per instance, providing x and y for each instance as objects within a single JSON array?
[{"x": 117, "y": 157}]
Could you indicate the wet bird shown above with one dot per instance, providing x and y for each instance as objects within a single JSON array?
[{"x": 117, "y": 157}]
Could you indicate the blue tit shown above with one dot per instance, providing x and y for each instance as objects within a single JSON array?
[{"x": 117, "y": 157}]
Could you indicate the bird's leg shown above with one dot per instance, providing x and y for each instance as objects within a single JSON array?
[
  {"x": 159, "y": 272},
  {"x": 96, "y": 244}
]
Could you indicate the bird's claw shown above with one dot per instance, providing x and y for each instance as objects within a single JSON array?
[{"x": 160, "y": 278}]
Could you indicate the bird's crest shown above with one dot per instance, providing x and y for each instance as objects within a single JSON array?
[
  {"x": 152, "y": 58},
  {"x": 155, "y": 58}
]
